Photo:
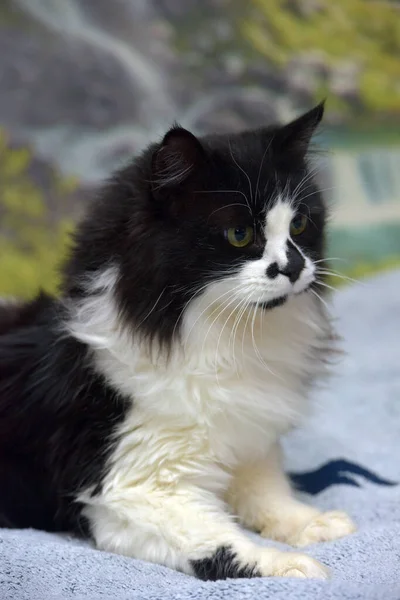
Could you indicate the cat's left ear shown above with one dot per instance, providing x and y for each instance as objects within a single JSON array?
[
  {"x": 293, "y": 139},
  {"x": 176, "y": 161}
]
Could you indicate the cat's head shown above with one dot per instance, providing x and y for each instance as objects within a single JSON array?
[{"x": 236, "y": 219}]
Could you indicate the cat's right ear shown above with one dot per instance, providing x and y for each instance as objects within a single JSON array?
[
  {"x": 292, "y": 140},
  {"x": 176, "y": 161}
]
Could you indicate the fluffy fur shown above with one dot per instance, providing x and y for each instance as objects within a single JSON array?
[{"x": 144, "y": 407}]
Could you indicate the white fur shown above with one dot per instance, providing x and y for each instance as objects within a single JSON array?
[{"x": 237, "y": 380}]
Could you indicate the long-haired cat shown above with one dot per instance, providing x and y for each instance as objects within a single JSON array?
[{"x": 144, "y": 406}]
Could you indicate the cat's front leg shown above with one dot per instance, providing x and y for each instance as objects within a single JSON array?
[
  {"x": 187, "y": 530},
  {"x": 261, "y": 496}
]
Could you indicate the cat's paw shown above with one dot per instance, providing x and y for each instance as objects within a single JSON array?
[
  {"x": 290, "y": 564},
  {"x": 324, "y": 528}
]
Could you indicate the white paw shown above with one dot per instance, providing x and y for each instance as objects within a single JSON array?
[
  {"x": 323, "y": 528},
  {"x": 289, "y": 564}
]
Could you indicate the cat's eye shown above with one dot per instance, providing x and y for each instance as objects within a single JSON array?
[
  {"x": 298, "y": 225},
  {"x": 239, "y": 236}
]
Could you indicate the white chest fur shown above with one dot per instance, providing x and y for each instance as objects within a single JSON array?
[{"x": 223, "y": 397}]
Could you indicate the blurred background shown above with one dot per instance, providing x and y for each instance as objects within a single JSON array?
[{"x": 84, "y": 84}]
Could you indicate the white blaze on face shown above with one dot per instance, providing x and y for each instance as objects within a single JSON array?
[{"x": 277, "y": 227}]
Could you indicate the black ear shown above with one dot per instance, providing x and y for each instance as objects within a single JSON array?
[
  {"x": 294, "y": 139},
  {"x": 174, "y": 163}
]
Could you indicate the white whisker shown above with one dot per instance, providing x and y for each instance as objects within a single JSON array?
[
  {"x": 235, "y": 308},
  {"x": 227, "y": 206},
  {"x": 245, "y": 326},
  {"x": 197, "y": 292},
  {"x": 339, "y": 275},
  {"x": 256, "y": 350},
  {"x": 243, "y": 171},
  {"x": 318, "y": 282},
  {"x": 320, "y": 299},
  {"x": 308, "y": 176},
  {"x": 152, "y": 308},
  {"x": 320, "y": 191},
  {"x": 207, "y": 308},
  {"x": 226, "y": 192},
  {"x": 331, "y": 258},
  {"x": 235, "y": 328},
  {"x": 261, "y": 166}
]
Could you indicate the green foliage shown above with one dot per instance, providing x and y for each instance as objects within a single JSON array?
[
  {"x": 32, "y": 241},
  {"x": 366, "y": 32}
]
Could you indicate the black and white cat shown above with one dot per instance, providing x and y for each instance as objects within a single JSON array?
[{"x": 144, "y": 406}]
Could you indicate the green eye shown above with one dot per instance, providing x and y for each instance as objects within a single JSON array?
[
  {"x": 298, "y": 225},
  {"x": 239, "y": 236}
]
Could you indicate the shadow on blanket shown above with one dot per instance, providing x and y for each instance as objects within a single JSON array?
[{"x": 334, "y": 472}]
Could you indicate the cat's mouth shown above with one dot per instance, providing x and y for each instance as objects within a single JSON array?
[
  {"x": 280, "y": 299},
  {"x": 272, "y": 303}
]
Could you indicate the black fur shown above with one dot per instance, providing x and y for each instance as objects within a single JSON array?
[
  {"x": 223, "y": 564},
  {"x": 161, "y": 220},
  {"x": 56, "y": 415}
]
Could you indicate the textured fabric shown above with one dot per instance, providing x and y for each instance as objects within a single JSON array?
[{"x": 347, "y": 456}]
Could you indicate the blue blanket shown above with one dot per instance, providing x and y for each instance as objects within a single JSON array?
[{"x": 347, "y": 456}]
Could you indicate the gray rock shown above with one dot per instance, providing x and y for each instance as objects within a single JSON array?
[{"x": 53, "y": 81}]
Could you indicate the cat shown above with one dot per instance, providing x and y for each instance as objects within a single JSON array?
[{"x": 145, "y": 405}]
